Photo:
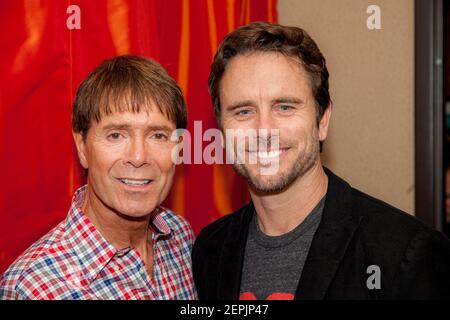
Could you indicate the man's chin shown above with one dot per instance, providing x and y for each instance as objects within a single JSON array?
[
  {"x": 138, "y": 214},
  {"x": 267, "y": 185},
  {"x": 264, "y": 183}
]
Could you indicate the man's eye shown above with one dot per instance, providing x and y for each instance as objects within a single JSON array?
[
  {"x": 243, "y": 112},
  {"x": 160, "y": 136},
  {"x": 285, "y": 108},
  {"x": 114, "y": 136}
]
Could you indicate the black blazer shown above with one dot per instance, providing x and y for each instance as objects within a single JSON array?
[{"x": 356, "y": 231}]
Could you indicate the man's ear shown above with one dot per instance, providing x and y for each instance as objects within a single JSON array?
[
  {"x": 81, "y": 149},
  {"x": 324, "y": 123}
]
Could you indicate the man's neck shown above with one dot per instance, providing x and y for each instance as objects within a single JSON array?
[
  {"x": 279, "y": 213},
  {"x": 119, "y": 231}
]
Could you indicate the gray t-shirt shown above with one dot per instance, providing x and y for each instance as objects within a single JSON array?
[{"x": 273, "y": 265}]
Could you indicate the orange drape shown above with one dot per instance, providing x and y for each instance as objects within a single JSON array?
[{"x": 42, "y": 63}]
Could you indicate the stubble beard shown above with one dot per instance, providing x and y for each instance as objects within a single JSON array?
[{"x": 281, "y": 181}]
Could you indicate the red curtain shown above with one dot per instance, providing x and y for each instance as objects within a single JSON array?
[{"x": 42, "y": 64}]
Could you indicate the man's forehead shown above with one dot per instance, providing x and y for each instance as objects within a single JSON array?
[
  {"x": 263, "y": 57},
  {"x": 144, "y": 118},
  {"x": 115, "y": 103},
  {"x": 273, "y": 70}
]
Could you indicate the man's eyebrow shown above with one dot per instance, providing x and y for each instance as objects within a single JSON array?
[
  {"x": 124, "y": 126},
  {"x": 239, "y": 104},
  {"x": 116, "y": 126},
  {"x": 247, "y": 103},
  {"x": 160, "y": 128},
  {"x": 288, "y": 100}
]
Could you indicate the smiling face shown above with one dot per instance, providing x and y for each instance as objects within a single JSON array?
[
  {"x": 129, "y": 160},
  {"x": 272, "y": 91}
]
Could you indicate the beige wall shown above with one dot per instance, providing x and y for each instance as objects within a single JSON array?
[{"x": 371, "y": 140}]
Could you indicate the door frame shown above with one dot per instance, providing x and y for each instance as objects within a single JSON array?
[{"x": 429, "y": 115}]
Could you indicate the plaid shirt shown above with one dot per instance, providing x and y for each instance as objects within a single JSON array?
[{"x": 74, "y": 261}]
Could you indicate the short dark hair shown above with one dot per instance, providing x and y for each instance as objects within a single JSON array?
[
  {"x": 127, "y": 83},
  {"x": 269, "y": 37}
]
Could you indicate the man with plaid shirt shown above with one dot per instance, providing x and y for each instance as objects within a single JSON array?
[{"x": 117, "y": 242}]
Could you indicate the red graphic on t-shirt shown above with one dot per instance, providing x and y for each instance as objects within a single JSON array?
[{"x": 273, "y": 296}]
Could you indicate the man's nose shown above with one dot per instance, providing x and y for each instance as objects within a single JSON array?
[
  {"x": 265, "y": 120},
  {"x": 137, "y": 152},
  {"x": 267, "y": 128}
]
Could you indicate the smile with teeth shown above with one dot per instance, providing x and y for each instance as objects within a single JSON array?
[
  {"x": 269, "y": 154},
  {"x": 135, "y": 182}
]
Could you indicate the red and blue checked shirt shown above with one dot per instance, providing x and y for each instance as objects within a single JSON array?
[{"x": 74, "y": 261}]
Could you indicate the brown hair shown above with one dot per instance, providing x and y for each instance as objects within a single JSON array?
[
  {"x": 127, "y": 83},
  {"x": 268, "y": 37}
]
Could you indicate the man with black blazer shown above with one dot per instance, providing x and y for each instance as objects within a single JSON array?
[{"x": 306, "y": 234}]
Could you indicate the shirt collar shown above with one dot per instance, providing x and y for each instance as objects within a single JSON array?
[
  {"x": 160, "y": 228},
  {"x": 92, "y": 249}
]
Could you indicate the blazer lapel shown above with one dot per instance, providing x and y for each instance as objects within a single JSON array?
[
  {"x": 330, "y": 242},
  {"x": 232, "y": 255}
]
